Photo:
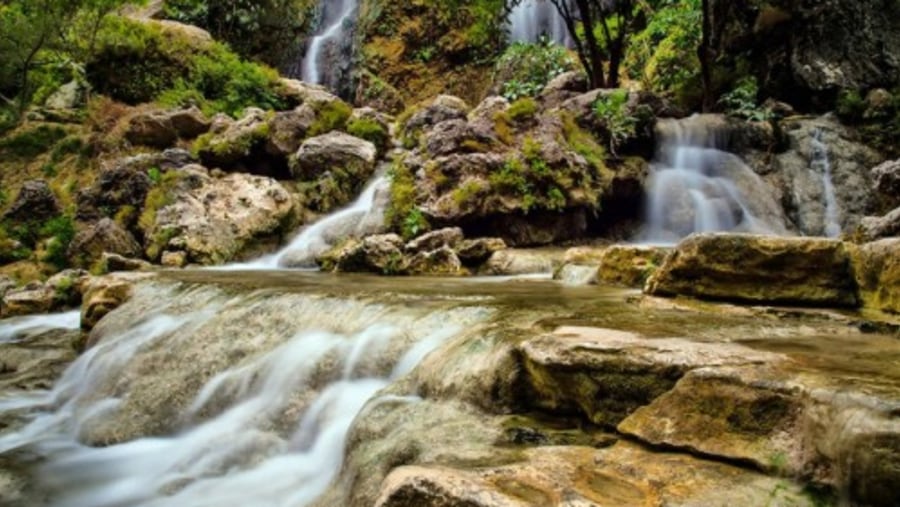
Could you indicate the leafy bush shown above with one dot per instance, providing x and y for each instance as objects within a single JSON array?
[
  {"x": 137, "y": 62},
  {"x": 330, "y": 116},
  {"x": 742, "y": 101},
  {"x": 611, "y": 109},
  {"x": 33, "y": 142},
  {"x": 402, "y": 214},
  {"x": 61, "y": 231},
  {"x": 851, "y": 105},
  {"x": 525, "y": 69},
  {"x": 523, "y": 109}
]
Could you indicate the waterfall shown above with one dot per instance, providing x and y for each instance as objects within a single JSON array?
[
  {"x": 531, "y": 19},
  {"x": 327, "y": 44},
  {"x": 696, "y": 186},
  {"x": 268, "y": 384},
  {"x": 362, "y": 217},
  {"x": 821, "y": 163}
]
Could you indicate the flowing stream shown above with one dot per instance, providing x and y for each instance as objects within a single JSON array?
[
  {"x": 532, "y": 19},
  {"x": 261, "y": 416},
  {"x": 326, "y": 45},
  {"x": 821, "y": 164},
  {"x": 697, "y": 186}
]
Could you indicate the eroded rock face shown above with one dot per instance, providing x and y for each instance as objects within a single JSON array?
[
  {"x": 758, "y": 269},
  {"x": 105, "y": 236},
  {"x": 104, "y": 294},
  {"x": 160, "y": 129},
  {"x": 873, "y": 228},
  {"x": 30, "y": 299},
  {"x": 241, "y": 146},
  {"x": 877, "y": 269},
  {"x": 512, "y": 262},
  {"x": 887, "y": 183},
  {"x": 816, "y": 147},
  {"x": 213, "y": 219},
  {"x": 35, "y": 202}
]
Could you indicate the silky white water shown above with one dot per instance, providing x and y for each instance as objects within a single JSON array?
[
  {"x": 335, "y": 15},
  {"x": 364, "y": 216},
  {"x": 821, "y": 164},
  {"x": 532, "y": 19},
  {"x": 267, "y": 429},
  {"x": 12, "y": 329},
  {"x": 695, "y": 186}
]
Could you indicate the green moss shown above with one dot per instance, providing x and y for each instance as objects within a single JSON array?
[
  {"x": 523, "y": 109},
  {"x": 403, "y": 214},
  {"x": 370, "y": 130},
  {"x": 30, "y": 143},
  {"x": 60, "y": 231},
  {"x": 583, "y": 143},
  {"x": 467, "y": 193},
  {"x": 330, "y": 116},
  {"x": 157, "y": 198}
]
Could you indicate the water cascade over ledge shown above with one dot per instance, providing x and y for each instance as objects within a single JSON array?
[
  {"x": 325, "y": 62},
  {"x": 697, "y": 186},
  {"x": 267, "y": 429},
  {"x": 532, "y": 19},
  {"x": 821, "y": 164}
]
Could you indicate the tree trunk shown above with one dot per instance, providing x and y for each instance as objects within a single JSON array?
[{"x": 705, "y": 52}]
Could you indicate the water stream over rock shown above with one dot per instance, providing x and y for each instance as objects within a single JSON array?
[
  {"x": 532, "y": 19},
  {"x": 697, "y": 186},
  {"x": 821, "y": 164},
  {"x": 325, "y": 61}
]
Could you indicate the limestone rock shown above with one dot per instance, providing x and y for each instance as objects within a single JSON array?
[
  {"x": 887, "y": 182},
  {"x": 111, "y": 263},
  {"x": 105, "y": 236},
  {"x": 757, "y": 269},
  {"x": 35, "y": 202},
  {"x": 104, "y": 294},
  {"x": 240, "y": 146},
  {"x": 473, "y": 252},
  {"x": 872, "y": 228},
  {"x": 512, "y": 262},
  {"x": 173, "y": 259},
  {"x": 161, "y": 128},
  {"x": 333, "y": 167},
  {"x": 301, "y": 92},
  {"x": 68, "y": 286},
  {"x": 214, "y": 219},
  {"x": 441, "y": 109},
  {"x": 381, "y": 254},
  {"x": 450, "y": 237},
  {"x": 68, "y": 96},
  {"x": 629, "y": 265},
  {"x": 877, "y": 270},
  {"x": 563, "y": 87},
  {"x": 30, "y": 299},
  {"x": 288, "y": 129},
  {"x": 440, "y": 261}
]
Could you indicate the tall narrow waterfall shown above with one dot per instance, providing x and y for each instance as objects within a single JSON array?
[
  {"x": 695, "y": 186},
  {"x": 821, "y": 164},
  {"x": 327, "y": 57},
  {"x": 533, "y": 18}
]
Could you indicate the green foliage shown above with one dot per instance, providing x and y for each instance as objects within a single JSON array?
[
  {"x": 330, "y": 116},
  {"x": 742, "y": 101},
  {"x": 522, "y": 109},
  {"x": 370, "y": 130},
  {"x": 524, "y": 69},
  {"x": 258, "y": 29},
  {"x": 663, "y": 56},
  {"x": 138, "y": 62},
  {"x": 61, "y": 231},
  {"x": 32, "y": 142},
  {"x": 154, "y": 175},
  {"x": 611, "y": 109},
  {"x": 850, "y": 105},
  {"x": 402, "y": 214}
]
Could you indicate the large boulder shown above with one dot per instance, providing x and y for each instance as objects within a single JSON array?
[
  {"x": 382, "y": 254},
  {"x": 872, "y": 228},
  {"x": 213, "y": 219},
  {"x": 804, "y": 52},
  {"x": 34, "y": 203},
  {"x": 162, "y": 128},
  {"x": 758, "y": 269},
  {"x": 887, "y": 183},
  {"x": 240, "y": 146},
  {"x": 333, "y": 169},
  {"x": 33, "y": 298},
  {"x": 288, "y": 129},
  {"x": 104, "y": 236},
  {"x": 629, "y": 265},
  {"x": 103, "y": 294}
]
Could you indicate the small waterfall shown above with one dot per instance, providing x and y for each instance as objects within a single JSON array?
[
  {"x": 821, "y": 164},
  {"x": 364, "y": 216},
  {"x": 12, "y": 329},
  {"x": 262, "y": 390},
  {"x": 532, "y": 19},
  {"x": 695, "y": 186},
  {"x": 325, "y": 47}
]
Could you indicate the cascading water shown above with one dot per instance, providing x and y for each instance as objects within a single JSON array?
[
  {"x": 532, "y": 19},
  {"x": 364, "y": 216},
  {"x": 821, "y": 164},
  {"x": 14, "y": 328},
  {"x": 269, "y": 428},
  {"x": 695, "y": 186},
  {"x": 327, "y": 45}
]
